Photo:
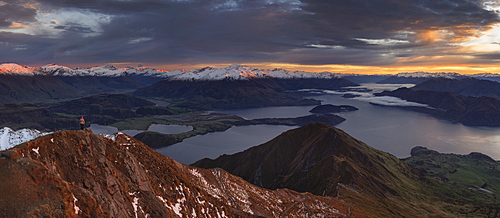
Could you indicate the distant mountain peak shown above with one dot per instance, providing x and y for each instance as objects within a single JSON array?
[
  {"x": 13, "y": 68},
  {"x": 324, "y": 160},
  {"x": 429, "y": 75}
]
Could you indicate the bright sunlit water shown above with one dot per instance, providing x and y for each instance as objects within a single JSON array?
[{"x": 389, "y": 129}]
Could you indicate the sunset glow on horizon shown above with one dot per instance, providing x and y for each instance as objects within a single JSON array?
[
  {"x": 346, "y": 69},
  {"x": 339, "y": 36}
]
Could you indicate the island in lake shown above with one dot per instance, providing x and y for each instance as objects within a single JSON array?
[{"x": 329, "y": 108}]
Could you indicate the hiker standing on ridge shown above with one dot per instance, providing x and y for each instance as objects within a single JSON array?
[{"x": 82, "y": 123}]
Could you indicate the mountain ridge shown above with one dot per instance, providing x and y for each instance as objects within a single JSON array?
[
  {"x": 18, "y": 89},
  {"x": 468, "y": 110},
  {"x": 57, "y": 70},
  {"x": 234, "y": 71},
  {"x": 78, "y": 173},
  {"x": 208, "y": 73},
  {"x": 223, "y": 94},
  {"x": 324, "y": 160},
  {"x": 420, "y": 77},
  {"x": 239, "y": 72},
  {"x": 466, "y": 86}
]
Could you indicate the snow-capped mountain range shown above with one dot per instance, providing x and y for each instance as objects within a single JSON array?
[
  {"x": 10, "y": 138},
  {"x": 238, "y": 72},
  {"x": 486, "y": 75},
  {"x": 233, "y": 72},
  {"x": 446, "y": 75},
  {"x": 11, "y": 68},
  {"x": 429, "y": 75},
  {"x": 101, "y": 71}
]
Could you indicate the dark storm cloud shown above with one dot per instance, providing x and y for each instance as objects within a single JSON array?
[
  {"x": 250, "y": 31},
  {"x": 336, "y": 56},
  {"x": 10, "y": 13},
  {"x": 492, "y": 56},
  {"x": 26, "y": 49},
  {"x": 376, "y": 19},
  {"x": 107, "y": 6},
  {"x": 75, "y": 28}
]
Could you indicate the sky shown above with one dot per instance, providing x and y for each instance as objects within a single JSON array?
[{"x": 341, "y": 36}]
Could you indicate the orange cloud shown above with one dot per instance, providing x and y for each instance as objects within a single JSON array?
[
  {"x": 18, "y": 26},
  {"x": 429, "y": 36},
  {"x": 31, "y": 5}
]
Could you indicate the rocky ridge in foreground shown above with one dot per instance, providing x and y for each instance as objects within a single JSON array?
[{"x": 81, "y": 174}]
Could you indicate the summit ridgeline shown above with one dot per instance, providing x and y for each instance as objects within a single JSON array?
[
  {"x": 324, "y": 160},
  {"x": 81, "y": 174}
]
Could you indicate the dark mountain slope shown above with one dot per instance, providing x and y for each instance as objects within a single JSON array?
[
  {"x": 418, "y": 77},
  {"x": 101, "y": 109},
  {"x": 26, "y": 115},
  {"x": 473, "y": 111},
  {"x": 312, "y": 83},
  {"x": 467, "y": 86},
  {"x": 403, "y": 80},
  {"x": 80, "y": 174},
  {"x": 91, "y": 85},
  {"x": 19, "y": 89},
  {"x": 223, "y": 94},
  {"x": 366, "y": 78},
  {"x": 113, "y": 105},
  {"x": 323, "y": 160}
]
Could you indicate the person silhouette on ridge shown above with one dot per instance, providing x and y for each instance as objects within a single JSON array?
[{"x": 82, "y": 123}]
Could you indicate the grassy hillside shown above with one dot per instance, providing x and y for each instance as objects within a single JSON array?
[{"x": 475, "y": 169}]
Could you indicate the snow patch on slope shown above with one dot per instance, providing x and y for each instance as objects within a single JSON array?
[{"x": 10, "y": 138}]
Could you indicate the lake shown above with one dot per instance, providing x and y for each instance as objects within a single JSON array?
[{"x": 389, "y": 129}]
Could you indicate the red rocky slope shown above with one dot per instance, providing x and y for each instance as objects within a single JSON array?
[{"x": 81, "y": 174}]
